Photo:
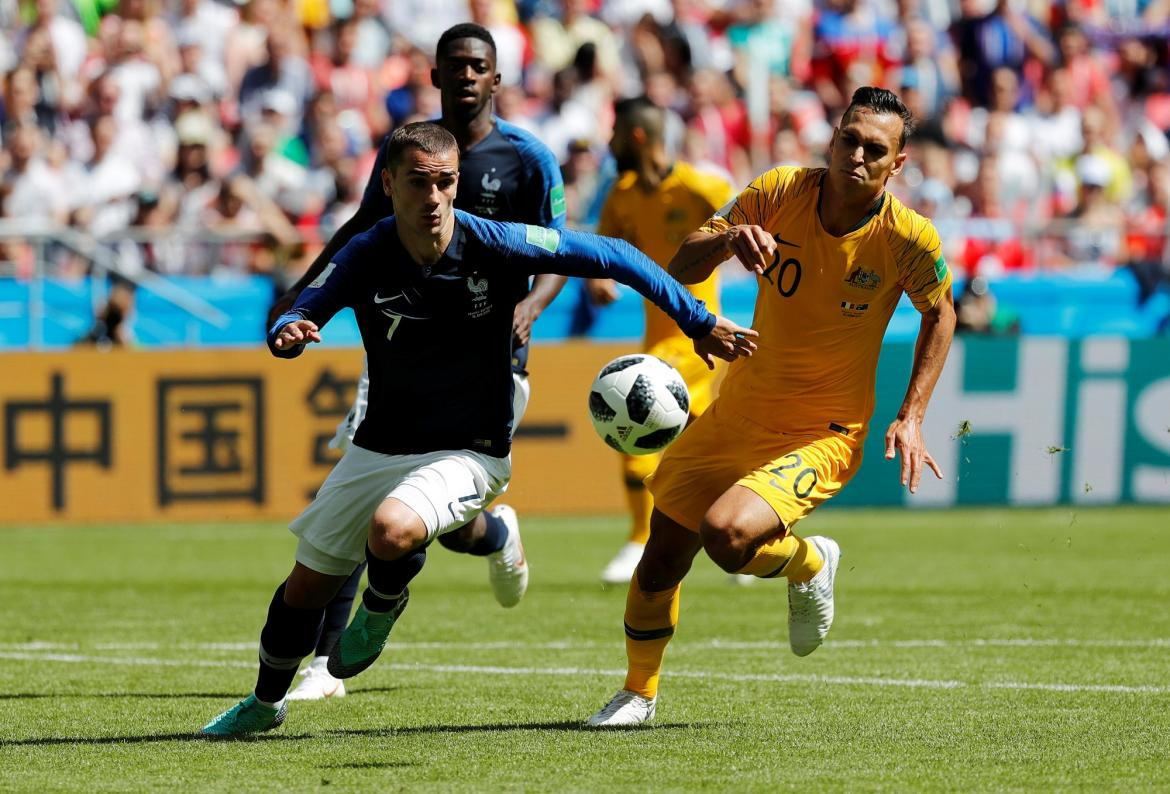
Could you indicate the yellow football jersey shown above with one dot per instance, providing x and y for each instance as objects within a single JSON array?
[
  {"x": 824, "y": 303},
  {"x": 656, "y": 222}
]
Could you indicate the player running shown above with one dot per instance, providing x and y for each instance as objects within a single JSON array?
[
  {"x": 832, "y": 252},
  {"x": 655, "y": 203},
  {"x": 434, "y": 290},
  {"x": 505, "y": 174}
]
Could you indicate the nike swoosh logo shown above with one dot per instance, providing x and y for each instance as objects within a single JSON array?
[
  {"x": 781, "y": 241},
  {"x": 379, "y": 299}
]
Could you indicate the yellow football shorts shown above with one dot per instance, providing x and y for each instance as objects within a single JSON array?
[
  {"x": 792, "y": 473},
  {"x": 679, "y": 352}
]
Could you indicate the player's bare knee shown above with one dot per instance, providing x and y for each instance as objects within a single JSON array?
[
  {"x": 729, "y": 545},
  {"x": 395, "y": 530}
]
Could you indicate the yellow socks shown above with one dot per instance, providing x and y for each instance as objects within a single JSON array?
[
  {"x": 650, "y": 622},
  {"x": 635, "y": 469},
  {"x": 794, "y": 557}
]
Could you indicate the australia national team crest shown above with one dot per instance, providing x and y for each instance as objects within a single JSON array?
[
  {"x": 478, "y": 288},
  {"x": 864, "y": 279}
]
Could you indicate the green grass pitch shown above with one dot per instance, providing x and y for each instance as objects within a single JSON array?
[{"x": 1022, "y": 650}]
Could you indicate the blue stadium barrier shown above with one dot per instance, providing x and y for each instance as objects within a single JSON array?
[{"x": 1072, "y": 305}]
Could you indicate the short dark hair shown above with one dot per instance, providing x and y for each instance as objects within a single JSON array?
[
  {"x": 426, "y": 136},
  {"x": 881, "y": 100},
  {"x": 464, "y": 30},
  {"x": 639, "y": 111}
]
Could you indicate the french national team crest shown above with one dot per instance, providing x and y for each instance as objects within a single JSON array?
[{"x": 478, "y": 288}]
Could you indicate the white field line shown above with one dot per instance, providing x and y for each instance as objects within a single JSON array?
[
  {"x": 677, "y": 647},
  {"x": 910, "y": 683}
]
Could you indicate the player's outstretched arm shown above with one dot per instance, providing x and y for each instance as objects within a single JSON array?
[
  {"x": 702, "y": 251},
  {"x": 362, "y": 220},
  {"x": 904, "y": 435}
]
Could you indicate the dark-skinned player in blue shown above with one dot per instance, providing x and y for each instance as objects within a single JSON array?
[
  {"x": 434, "y": 290},
  {"x": 506, "y": 174}
]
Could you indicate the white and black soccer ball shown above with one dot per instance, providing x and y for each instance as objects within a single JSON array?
[{"x": 639, "y": 404}]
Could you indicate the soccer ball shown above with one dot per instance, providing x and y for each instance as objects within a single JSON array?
[{"x": 638, "y": 404}]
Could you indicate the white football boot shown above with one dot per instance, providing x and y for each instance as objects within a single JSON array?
[
  {"x": 624, "y": 709},
  {"x": 317, "y": 683},
  {"x": 621, "y": 568},
  {"x": 810, "y": 604},
  {"x": 507, "y": 568}
]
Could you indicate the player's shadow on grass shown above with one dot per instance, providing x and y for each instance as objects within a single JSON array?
[
  {"x": 372, "y": 733},
  {"x": 570, "y": 726},
  {"x": 88, "y": 695},
  {"x": 186, "y": 736}
]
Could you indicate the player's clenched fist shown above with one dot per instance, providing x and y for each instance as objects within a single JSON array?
[
  {"x": 753, "y": 246},
  {"x": 298, "y": 332}
]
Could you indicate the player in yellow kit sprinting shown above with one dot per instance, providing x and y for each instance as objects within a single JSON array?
[
  {"x": 655, "y": 203},
  {"x": 833, "y": 252}
]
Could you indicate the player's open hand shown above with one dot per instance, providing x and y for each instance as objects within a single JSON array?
[
  {"x": 904, "y": 437},
  {"x": 298, "y": 332},
  {"x": 281, "y": 305},
  {"x": 727, "y": 341},
  {"x": 753, "y": 246}
]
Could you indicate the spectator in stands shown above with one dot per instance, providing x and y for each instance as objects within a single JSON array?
[
  {"x": 512, "y": 47},
  {"x": 194, "y": 64},
  {"x": 851, "y": 41},
  {"x": 205, "y": 25},
  {"x": 105, "y": 186},
  {"x": 978, "y": 312},
  {"x": 68, "y": 41},
  {"x": 255, "y": 234},
  {"x": 353, "y": 85},
  {"x": 1093, "y": 234},
  {"x": 275, "y": 176},
  {"x": 31, "y": 190},
  {"x": 1055, "y": 120},
  {"x": 283, "y": 68},
  {"x": 994, "y": 33},
  {"x": 929, "y": 67},
  {"x": 23, "y": 102},
  {"x": 556, "y": 42},
  {"x": 192, "y": 185},
  {"x": 1087, "y": 75},
  {"x": 1097, "y": 135},
  {"x": 719, "y": 118},
  {"x": 417, "y": 94}
]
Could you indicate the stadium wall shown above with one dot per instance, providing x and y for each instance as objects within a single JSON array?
[{"x": 187, "y": 435}]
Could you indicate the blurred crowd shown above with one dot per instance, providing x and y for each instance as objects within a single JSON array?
[{"x": 210, "y": 134}]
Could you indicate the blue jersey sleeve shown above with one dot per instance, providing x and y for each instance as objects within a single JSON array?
[
  {"x": 374, "y": 199},
  {"x": 544, "y": 188},
  {"x": 542, "y": 250},
  {"x": 325, "y": 296}
]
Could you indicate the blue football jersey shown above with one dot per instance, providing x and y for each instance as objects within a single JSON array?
[
  {"x": 438, "y": 338},
  {"x": 508, "y": 176}
]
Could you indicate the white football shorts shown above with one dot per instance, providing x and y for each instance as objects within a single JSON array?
[
  {"x": 447, "y": 489},
  {"x": 343, "y": 437}
]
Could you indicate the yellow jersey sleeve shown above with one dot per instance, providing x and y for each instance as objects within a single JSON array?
[
  {"x": 922, "y": 269},
  {"x": 757, "y": 204}
]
